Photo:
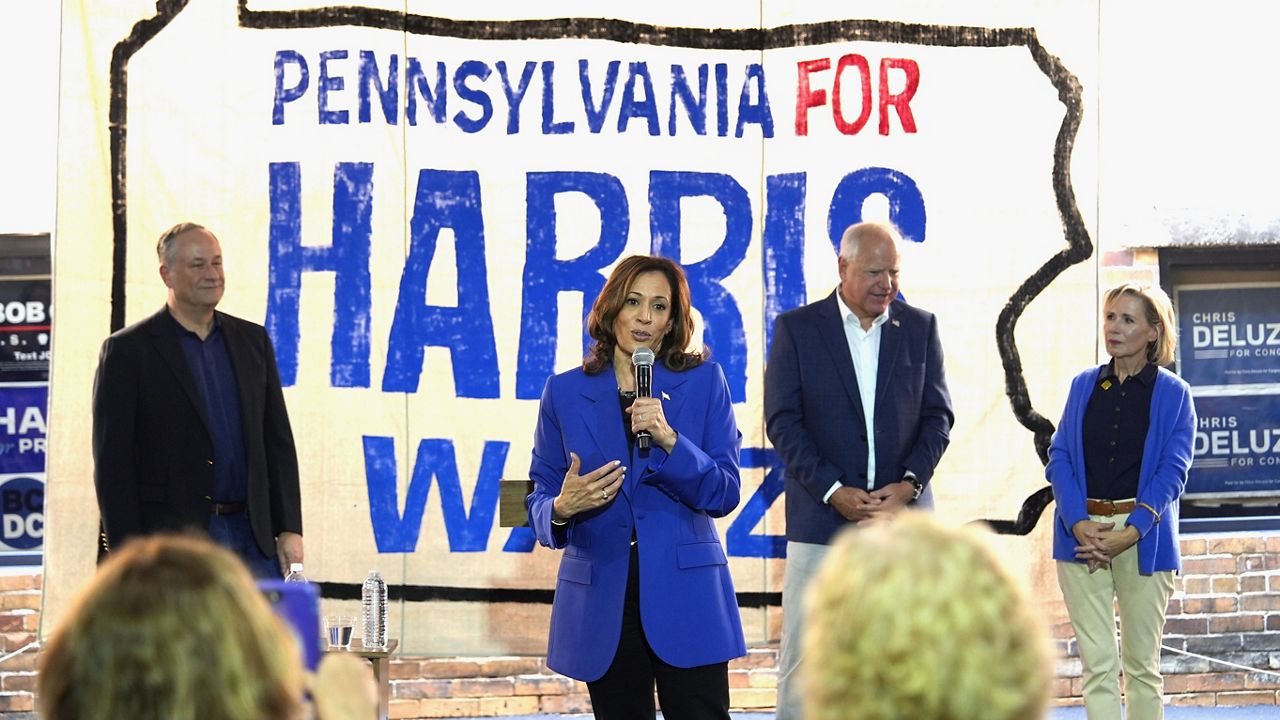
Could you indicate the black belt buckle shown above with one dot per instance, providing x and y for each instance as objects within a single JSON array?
[{"x": 228, "y": 508}]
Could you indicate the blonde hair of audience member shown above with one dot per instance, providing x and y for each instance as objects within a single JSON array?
[
  {"x": 909, "y": 619},
  {"x": 171, "y": 628},
  {"x": 1159, "y": 313}
]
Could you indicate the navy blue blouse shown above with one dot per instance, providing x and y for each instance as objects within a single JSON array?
[{"x": 1115, "y": 429}]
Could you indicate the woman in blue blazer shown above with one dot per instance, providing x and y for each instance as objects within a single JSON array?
[
  {"x": 1118, "y": 464},
  {"x": 644, "y": 594}
]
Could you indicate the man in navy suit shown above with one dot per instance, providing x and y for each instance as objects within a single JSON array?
[
  {"x": 190, "y": 428},
  {"x": 856, "y": 404}
]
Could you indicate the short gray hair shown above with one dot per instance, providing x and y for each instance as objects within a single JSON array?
[
  {"x": 851, "y": 240},
  {"x": 165, "y": 245}
]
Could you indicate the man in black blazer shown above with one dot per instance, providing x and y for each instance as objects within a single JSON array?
[
  {"x": 190, "y": 428},
  {"x": 856, "y": 405}
]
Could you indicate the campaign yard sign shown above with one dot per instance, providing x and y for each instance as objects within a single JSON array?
[{"x": 1229, "y": 335}]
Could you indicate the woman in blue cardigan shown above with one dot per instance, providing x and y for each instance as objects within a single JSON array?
[
  {"x": 1118, "y": 464},
  {"x": 643, "y": 596}
]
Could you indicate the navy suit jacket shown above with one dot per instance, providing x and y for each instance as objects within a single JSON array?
[
  {"x": 688, "y": 606},
  {"x": 152, "y": 448},
  {"x": 814, "y": 414}
]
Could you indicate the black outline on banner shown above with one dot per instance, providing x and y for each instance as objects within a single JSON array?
[
  {"x": 438, "y": 593},
  {"x": 1079, "y": 246}
]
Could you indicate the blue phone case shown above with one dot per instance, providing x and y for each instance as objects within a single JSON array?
[{"x": 299, "y": 605}]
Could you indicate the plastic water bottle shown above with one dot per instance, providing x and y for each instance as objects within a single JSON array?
[
  {"x": 374, "y": 597},
  {"x": 295, "y": 573}
]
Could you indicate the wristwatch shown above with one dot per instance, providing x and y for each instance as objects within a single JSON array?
[{"x": 916, "y": 485}]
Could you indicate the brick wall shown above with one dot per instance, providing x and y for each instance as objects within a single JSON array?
[
  {"x": 1226, "y": 606},
  {"x": 478, "y": 687},
  {"x": 19, "y": 623}
]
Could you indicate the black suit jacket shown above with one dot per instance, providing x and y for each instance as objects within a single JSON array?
[
  {"x": 814, "y": 415},
  {"x": 152, "y": 447}
]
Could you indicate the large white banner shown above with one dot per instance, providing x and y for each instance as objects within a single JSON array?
[{"x": 420, "y": 210}]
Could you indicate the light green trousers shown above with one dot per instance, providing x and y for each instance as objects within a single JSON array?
[{"x": 1142, "y": 600}]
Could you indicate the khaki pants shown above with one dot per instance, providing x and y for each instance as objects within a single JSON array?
[
  {"x": 803, "y": 560},
  {"x": 1142, "y": 600}
]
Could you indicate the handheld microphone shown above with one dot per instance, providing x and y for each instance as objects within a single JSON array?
[{"x": 642, "y": 360}]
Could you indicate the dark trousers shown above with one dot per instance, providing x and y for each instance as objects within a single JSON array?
[
  {"x": 234, "y": 533},
  {"x": 626, "y": 690}
]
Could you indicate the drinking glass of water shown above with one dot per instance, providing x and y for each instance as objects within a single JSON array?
[{"x": 339, "y": 629}]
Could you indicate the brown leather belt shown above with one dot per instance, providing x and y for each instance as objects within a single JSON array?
[
  {"x": 1110, "y": 507},
  {"x": 237, "y": 508}
]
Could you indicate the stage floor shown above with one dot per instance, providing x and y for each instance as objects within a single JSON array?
[{"x": 1242, "y": 712}]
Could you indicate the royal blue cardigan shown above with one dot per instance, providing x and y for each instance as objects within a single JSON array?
[{"x": 1166, "y": 458}]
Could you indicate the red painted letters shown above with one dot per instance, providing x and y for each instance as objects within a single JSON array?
[{"x": 809, "y": 97}]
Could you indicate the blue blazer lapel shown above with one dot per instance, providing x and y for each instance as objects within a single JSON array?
[
  {"x": 831, "y": 327},
  {"x": 891, "y": 336},
  {"x": 667, "y": 387},
  {"x": 601, "y": 392}
]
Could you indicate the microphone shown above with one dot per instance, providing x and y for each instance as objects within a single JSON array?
[{"x": 642, "y": 360}]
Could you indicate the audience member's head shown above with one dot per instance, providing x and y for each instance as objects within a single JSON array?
[
  {"x": 171, "y": 628},
  {"x": 911, "y": 619}
]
